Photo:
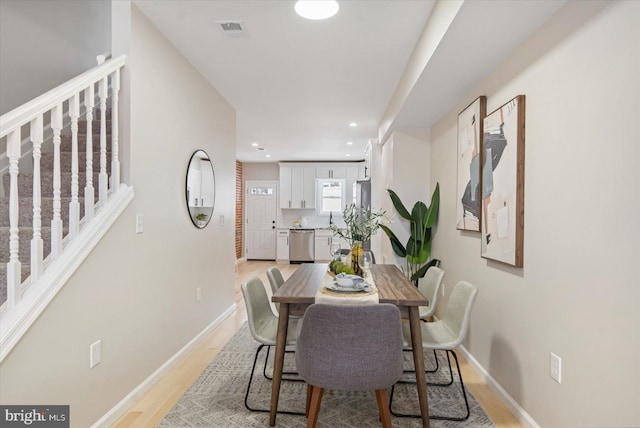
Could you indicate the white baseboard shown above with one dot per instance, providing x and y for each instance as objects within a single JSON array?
[
  {"x": 523, "y": 417},
  {"x": 111, "y": 417}
]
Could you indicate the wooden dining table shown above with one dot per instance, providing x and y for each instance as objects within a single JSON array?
[{"x": 298, "y": 293}]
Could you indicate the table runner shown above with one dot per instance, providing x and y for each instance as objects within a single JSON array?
[{"x": 330, "y": 297}]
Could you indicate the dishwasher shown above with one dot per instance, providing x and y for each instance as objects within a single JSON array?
[{"x": 301, "y": 245}]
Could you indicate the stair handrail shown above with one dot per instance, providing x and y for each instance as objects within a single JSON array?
[
  {"x": 26, "y": 300},
  {"x": 27, "y": 112}
]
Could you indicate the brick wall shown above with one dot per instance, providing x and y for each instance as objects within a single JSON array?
[{"x": 239, "y": 202}]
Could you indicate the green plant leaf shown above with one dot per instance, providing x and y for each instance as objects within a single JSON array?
[
  {"x": 423, "y": 270},
  {"x": 432, "y": 214},
  {"x": 397, "y": 246},
  {"x": 398, "y": 205},
  {"x": 418, "y": 219}
]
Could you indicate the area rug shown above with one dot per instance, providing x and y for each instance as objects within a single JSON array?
[{"x": 216, "y": 399}]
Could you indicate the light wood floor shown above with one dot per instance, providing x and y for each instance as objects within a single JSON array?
[{"x": 158, "y": 401}]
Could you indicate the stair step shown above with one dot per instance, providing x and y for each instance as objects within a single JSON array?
[
  {"x": 25, "y": 234},
  {"x": 65, "y": 142},
  {"x": 25, "y": 184},
  {"x": 95, "y": 125},
  {"x": 25, "y": 210},
  {"x": 46, "y": 161}
]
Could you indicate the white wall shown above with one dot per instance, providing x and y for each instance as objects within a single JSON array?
[
  {"x": 137, "y": 293},
  {"x": 45, "y": 43},
  {"x": 405, "y": 170},
  {"x": 577, "y": 295}
]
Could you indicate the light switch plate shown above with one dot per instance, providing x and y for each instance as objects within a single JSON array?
[
  {"x": 95, "y": 354},
  {"x": 555, "y": 367},
  {"x": 139, "y": 223}
]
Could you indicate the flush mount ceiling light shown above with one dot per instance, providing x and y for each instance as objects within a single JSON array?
[
  {"x": 349, "y": 143},
  {"x": 254, "y": 144},
  {"x": 353, "y": 124},
  {"x": 317, "y": 9}
]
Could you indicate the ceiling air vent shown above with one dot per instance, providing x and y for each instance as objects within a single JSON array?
[
  {"x": 235, "y": 29},
  {"x": 231, "y": 26}
]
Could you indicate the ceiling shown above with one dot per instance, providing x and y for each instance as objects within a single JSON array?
[{"x": 297, "y": 84}]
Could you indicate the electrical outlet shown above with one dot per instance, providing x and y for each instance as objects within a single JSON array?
[
  {"x": 198, "y": 294},
  {"x": 95, "y": 354},
  {"x": 139, "y": 223},
  {"x": 555, "y": 368},
  {"x": 221, "y": 219}
]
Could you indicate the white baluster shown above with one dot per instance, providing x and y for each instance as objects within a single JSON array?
[
  {"x": 115, "y": 160},
  {"x": 14, "y": 267},
  {"x": 74, "y": 205},
  {"x": 36, "y": 241},
  {"x": 56, "y": 222},
  {"x": 103, "y": 178},
  {"x": 89, "y": 102}
]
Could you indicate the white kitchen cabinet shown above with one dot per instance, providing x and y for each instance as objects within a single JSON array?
[
  {"x": 207, "y": 189},
  {"x": 324, "y": 239},
  {"x": 297, "y": 187},
  {"x": 323, "y": 245},
  {"x": 282, "y": 246},
  {"x": 330, "y": 171}
]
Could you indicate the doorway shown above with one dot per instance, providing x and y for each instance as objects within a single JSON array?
[{"x": 260, "y": 219}]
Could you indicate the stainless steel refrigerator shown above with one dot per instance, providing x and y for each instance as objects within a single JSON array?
[{"x": 363, "y": 202}]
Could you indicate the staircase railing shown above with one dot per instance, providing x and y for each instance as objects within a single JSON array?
[{"x": 24, "y": 128}]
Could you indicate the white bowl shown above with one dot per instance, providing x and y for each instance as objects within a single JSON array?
[{"x": 344, "y": 282}]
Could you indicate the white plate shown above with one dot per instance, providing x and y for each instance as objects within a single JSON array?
[{"x": 356, "y": 288}]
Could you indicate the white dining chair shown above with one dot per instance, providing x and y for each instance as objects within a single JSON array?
[{"x": 446, "y": 334}]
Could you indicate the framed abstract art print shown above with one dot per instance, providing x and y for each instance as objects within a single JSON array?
[
  {"x": 470, "y": 122},
  {"x": 502, "y": 171}
]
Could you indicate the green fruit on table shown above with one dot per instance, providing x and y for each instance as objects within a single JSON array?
[
  {"x": 349, "y": 271},
  {"x": 341, "y": 268},
  {"x": 335, "y": 265}
]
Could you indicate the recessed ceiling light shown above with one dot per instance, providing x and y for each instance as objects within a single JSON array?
[
  {"x": 317, "y": 9},
  {"x": 353, "y": 124},
  {"x": 267, "y": 156},
  {"x": 254, "y": 144},
  {"x": 348, "y": 154},
  {"x": 349, "y": 143}
]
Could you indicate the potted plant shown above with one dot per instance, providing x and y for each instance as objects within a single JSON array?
[
  {"x": 360, "y": 226},
  {"x": 418, "y": 248},
  {"x": 201, "y": 219}
]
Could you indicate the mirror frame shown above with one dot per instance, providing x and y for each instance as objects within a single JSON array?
[{"x": 194, "y": 210}]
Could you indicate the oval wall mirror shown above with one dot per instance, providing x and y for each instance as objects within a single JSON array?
[{"x": 200, "y": 189}]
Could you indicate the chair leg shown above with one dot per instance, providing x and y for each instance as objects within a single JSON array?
[
  {"x": 314, "y": 407},
  {"x": 383, "y": 408},
  {"x": 446, "y": 418},
  {"x": 309, "y": 389},
  {"x": 246, "y": 396},
  {"x": 435, "y": 357},
  {"x": 264, "y": 369}
]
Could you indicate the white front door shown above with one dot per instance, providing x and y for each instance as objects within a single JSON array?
[{"x": 260, "y": 219}]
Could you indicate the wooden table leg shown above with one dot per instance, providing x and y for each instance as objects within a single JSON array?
[
  {"x": 418, "y": 360},
  {"x": 281, "y": 342}
]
